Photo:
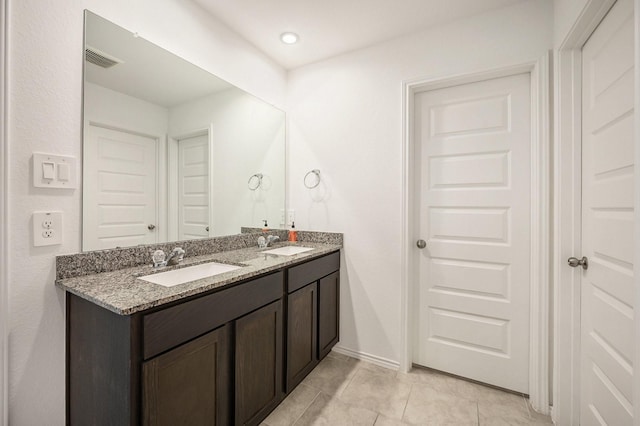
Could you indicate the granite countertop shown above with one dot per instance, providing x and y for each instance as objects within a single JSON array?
[{"x": 121, "y": 292}]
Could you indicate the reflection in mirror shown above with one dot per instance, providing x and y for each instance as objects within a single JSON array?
[{"x": 170, "y": 151}]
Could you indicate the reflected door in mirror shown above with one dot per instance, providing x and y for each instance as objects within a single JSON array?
[
  {"x": 119, "y": 189},
  {"x": 193, "y": 187}
]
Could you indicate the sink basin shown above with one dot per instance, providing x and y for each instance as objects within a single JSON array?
[
  {"x": 288, "y": 250},
  {"x": 190, "y": 273}
]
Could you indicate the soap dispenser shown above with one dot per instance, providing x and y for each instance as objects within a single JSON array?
[
  {"x": 293, "y": 234},
  {"x": 265, "y": 228}
]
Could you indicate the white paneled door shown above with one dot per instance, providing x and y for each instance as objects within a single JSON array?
[
  {"x": 473, "y": 156},
  {"x": 606, "y": 374},
  {"x": 193, "y": 187},
  {"x": 120, "y": 193}
]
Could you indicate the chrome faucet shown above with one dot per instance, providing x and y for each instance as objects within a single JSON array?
[
  {"x": 266, "y": 242},
  {"x": 174, "y": 258}
]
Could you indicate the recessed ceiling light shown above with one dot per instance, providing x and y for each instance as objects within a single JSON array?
[{"x": 289, "y": 38}]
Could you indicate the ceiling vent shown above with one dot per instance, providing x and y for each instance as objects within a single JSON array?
[{"x": 99, "y": 58}]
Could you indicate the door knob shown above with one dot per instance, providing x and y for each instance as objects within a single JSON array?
[
  {"x": 151, "y": 227},
  {"x": 574, "y": 262},
  {"x": 421, "y": 244}
]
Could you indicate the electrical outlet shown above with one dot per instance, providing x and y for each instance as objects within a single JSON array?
[
  {"x": 47, "y": 228},
  {"x": 291, "y": 216},
  {"x": 282, "y": 218}
]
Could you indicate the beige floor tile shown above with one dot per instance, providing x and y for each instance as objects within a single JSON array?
[
  {"x": 498, "y": 421},
  {"x": 504, "y": 408},
  {"x": 429, "y": 406},
  {"x": 292, "y": 407},
  {"x": 378, "y": 369},
  {"x": 424, "y": 376},
  {"x": 489, "y": 394},
  {"x": 345, "y": 391},
  {"x": 377, "y": 391},
  {"x": 336, "y": 355},
  {"x": 386, "y": 421},
  {"x": 458, "y": 386},
  {"x": 332, "y": 375},
  {"x": 474, "y": 391},
  {"x": 328, "y": 410}
]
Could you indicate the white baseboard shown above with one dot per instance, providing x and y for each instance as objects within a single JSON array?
[{"x": 374, "y": 359}]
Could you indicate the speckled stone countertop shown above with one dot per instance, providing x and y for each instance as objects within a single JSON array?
[{"x": 122, "y": 292}]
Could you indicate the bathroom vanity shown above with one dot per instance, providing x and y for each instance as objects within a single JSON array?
[{"x": 223, "y": 350}]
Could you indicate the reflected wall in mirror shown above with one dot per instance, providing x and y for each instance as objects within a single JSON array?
[{"x": 170, "y": 151}]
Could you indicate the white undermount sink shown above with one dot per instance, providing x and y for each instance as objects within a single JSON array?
[
  {"x": 190, "y": 273},
  {"x": 288, "y": 250}
]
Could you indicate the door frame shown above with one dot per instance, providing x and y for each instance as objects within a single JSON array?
[
  {"x": 4, "y": 219},
  {"x": 172, "y": 176},
  {"x": 567, "y": 211},
  {"x": 636, "y": 219},
  {"x": 540, "y": 209}
]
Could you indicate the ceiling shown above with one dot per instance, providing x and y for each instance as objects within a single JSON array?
[
  {"x": 331, "y": 27},
  {"x": 147, "y": 71}
]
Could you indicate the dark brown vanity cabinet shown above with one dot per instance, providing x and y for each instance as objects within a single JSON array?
[
  {"x": 312, "y": 315},
  {"x": 189, "y": 384},
  {"x": 328, "y": 313},
  {"x": 258, "y": 364},
  {"x": 219, "y": 358},
  {"x": 302, "y": 335}
]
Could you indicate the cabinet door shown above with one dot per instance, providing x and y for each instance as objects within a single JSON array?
[
  {"x": 258, "y": 367},
  {"x": 189, "y": 385},
  {"x": 302, "y": 334},
  {"x": 328, "y": 313}
]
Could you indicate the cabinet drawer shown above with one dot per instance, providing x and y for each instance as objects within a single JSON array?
[
  {"x": 170, "y": 327},
  {"x": 301, "y": 275}
]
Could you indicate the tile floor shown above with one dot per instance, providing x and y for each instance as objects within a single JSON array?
[{"x": 345, "y": 391}]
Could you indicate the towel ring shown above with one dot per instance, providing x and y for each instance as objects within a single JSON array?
[
  {"x": 255, "y": 181},
  {"x": 317, "y": 182}
]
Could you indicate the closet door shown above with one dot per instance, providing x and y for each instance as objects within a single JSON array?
[
  {"x": 607, "y": 371},
  {"x": 473, "y": 162}
]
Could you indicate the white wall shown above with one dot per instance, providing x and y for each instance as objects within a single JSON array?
[
  {"x": 4, "y": 228},
  {"x": 565, "y": 14},
  {"x": 108, "y": 107},
  {"x": 345, "y": 119},
  {"x": 248, "y": 138},
  {"x": 44, "y": 96}
]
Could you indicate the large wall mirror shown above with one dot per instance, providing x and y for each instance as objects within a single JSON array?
[{"x": 170, "y": 151}]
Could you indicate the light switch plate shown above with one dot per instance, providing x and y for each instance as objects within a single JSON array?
[
  {"x": 54, "y": 171},
  {"x": 64, "y": 172},
  {"x": 47, "y": 228}
]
